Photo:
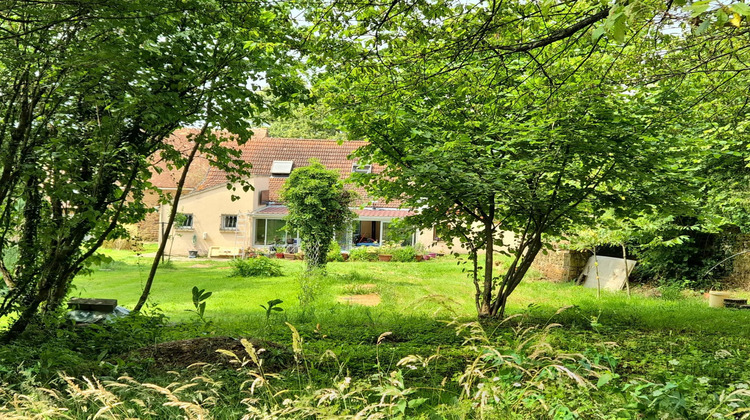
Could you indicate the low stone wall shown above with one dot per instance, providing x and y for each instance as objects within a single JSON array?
[{"x": 560, "y": 265}]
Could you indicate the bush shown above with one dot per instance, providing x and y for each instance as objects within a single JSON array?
[
  {"x": 363, "y": 253},
  {"x": 255, "y": 267},
  {"x": 404, "y": 254},
  {"x": 334, "y": 252}
]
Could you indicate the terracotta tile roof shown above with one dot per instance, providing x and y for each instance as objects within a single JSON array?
[
  {"x": 262, "y": 151},
  {"x": 383, "y": 213},
  {"x": 168, "y": 178},
  {"x": 364, "y": 213}
]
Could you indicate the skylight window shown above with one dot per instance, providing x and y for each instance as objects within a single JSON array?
[
  {"x": 361, "y": 169},
  {"x": 281, "y": 167}
]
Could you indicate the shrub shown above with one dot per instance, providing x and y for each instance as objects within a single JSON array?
[
  {"x": 404, "y": 254},
  {"x": 255, "y": 267},
  {"x": 334, "y": 252},
  {"x": 363, "y": 254}
]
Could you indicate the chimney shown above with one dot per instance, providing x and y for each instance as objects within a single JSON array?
[
  {"x": 264, "y": 197},
  {"x": 260, "y": 132}
]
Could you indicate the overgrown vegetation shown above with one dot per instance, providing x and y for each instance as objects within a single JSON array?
[
  {"x": 419, "y": 354},
  {"x": 260, "y": 266}
]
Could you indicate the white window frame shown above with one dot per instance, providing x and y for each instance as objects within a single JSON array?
[
  {"x": 361, "y": 169},
  {"x": 281, "y": 168},
  {"x": 225, "y": 218},
  {"x": 267, "y": 243},
  {"x": 189, "y": 218}
]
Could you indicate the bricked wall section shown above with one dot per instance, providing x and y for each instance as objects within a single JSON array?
[
  {"x": 740, "y": 275},
  {"x": 148, "y": 229},
  {"x": 560, "y": 265}
]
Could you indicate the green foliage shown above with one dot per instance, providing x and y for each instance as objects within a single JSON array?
[
  {"x": 334, "y": 252},
  {"x": 318, "y": 207},
  {"x": 404, "y": 254},
  {"x": 510, "y": 156},
  {"x": 272, "y": 307},
  {"x": 305, "y": 122},
  {"x": 260, "y": 266},
  {"x": 671, "y": 249},
  {"x": 685, "y": 261},
  {"x": 199, "y": 302},
  {"x": 363, "y": 253},
  {"x": 93, "y": 91}
]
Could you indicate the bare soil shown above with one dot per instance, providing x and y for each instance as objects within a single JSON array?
[
  {"x": 183, "y": 353},
  {"x": 365, "y": 300}
]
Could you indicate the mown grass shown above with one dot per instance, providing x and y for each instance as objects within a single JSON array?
[
  {"x": 665, "y": 356},
  {"x": 436, "y": 288}
]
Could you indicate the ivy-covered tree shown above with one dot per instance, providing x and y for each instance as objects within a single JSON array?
[
  {"x": 90, "y": 91},
  {"x": 318, "y": 207}
]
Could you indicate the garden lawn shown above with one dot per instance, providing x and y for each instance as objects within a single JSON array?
[
  {"x": 434, "y": 289},
  {"x": 640, "y": 357}
]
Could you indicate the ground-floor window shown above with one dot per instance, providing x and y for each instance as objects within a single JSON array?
[
  {"x": 228, "y": 222},
  {"x": 372, "y": 232},
  {"x": 184, "y": 221},
  {"x": 404, "y": 236},
  {"x": 270, "y": 232}
]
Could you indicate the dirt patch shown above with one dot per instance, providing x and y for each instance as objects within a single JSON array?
[
  {"x": 366, "y": 300},
  {"x": 201, "y": 266},
  {"x": 183, "y": 353}
]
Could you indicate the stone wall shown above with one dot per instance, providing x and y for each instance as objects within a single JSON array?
[
  {"x": 740, "y": 274},
  {"x": 147, "y": 230},
  {"x": 560, "y": 265}
]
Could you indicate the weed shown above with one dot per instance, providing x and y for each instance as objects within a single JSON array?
[
  {"x": 255, "y": 267},
  {"x": 334, "y": 252},
  {"x": 199, "y": 301},
  {"x": 272, "y": 307},
  {"x": 404, "y": 254},
  {"x": 359, "y": 289},
  {"x": 363, "y": 253}
]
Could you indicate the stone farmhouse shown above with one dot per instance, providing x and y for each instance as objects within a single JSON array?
[{"x": 214, "y": 225}]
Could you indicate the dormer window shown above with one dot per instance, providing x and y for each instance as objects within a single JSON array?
[
  {"x": 281, "y": 168},
  {"x": 361, "y": 168}
]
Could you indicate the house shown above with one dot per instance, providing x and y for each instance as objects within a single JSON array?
[
  {"x": 210, "y": 220},
  {"x": 165, "y": 179}
]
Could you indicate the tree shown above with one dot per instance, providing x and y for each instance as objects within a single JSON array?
[
  {"x": 318, "y": 207},
  {"x": 91, "y": 90},
  {"x": 492, "y": 140},
  {"x": 305, "y": 122}
]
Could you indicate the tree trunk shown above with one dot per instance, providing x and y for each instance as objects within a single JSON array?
[
  {"x": 516, "y": 273},
  {"x": 627, "y": 273},
  {"x": 598, "y": 280},
  {"x": 170, "y": 222},
  {"x": 475, "y": 277},
  {"x": 23, "y": 321},
  {"x": 485, "y": 308}
]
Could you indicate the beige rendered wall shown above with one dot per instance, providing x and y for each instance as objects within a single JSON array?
[
  {"x": 207, "y": 207},
  {"x": 425, "y": 237}
]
